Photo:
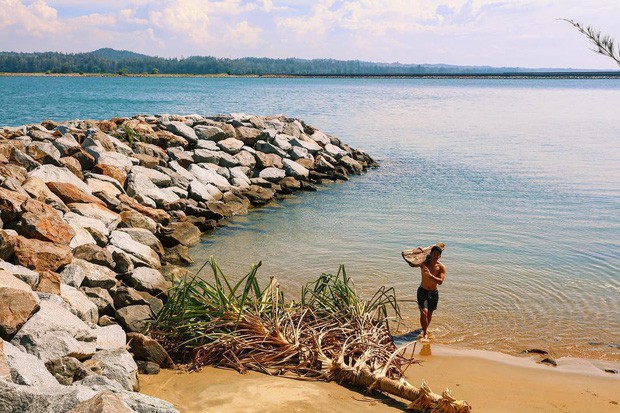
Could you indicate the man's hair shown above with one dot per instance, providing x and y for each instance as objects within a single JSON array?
[{"x": 436, "y": 248}]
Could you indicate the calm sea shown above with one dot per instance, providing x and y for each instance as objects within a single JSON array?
[{"x": 520, "y": 178}]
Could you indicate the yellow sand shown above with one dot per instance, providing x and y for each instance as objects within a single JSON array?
[{"x": 491, "y": 382}]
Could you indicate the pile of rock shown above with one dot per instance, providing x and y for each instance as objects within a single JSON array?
[{"x": 95, "y": 216}]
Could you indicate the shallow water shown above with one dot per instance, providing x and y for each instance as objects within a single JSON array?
[{"x": 520, "y": 178}]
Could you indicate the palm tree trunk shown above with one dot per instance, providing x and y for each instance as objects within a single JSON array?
[{"x": 420, "y": 399}]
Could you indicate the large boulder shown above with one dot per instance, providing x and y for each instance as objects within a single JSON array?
[
  {"x": 133, "y": 219},
  {"x": 51, "y": 173},
  {"x": 268, "y": 160},
  {"x": 158, "y": 178},
  {"x": 38, "y": 190},
  {"x": 104, "y": 402},
  {"x": 118, "y": 365},
  {"x": 70, "y": 193},
  {"x": 18, "y": 304},
  {"x": 92, "y": 225},
  {"x": 94, "y": 254},
  {"x": 134, "y": 318},
  {"x": 111, "y": 337},
  {"x": 96, "y": 211},
  {"x": 55, "y": 332},
  {"x": 184, "y": 233},
  {"x": 49, "y": 283},
  {"x": 79, "y": 304},
  {"x": 294, "y": 169},
  {"x": 101, "y": 298},
  {"x": 126, "y": 296},
  {"x": 146, "y": 349},
  {"x": 40, "y": 255},
  {"x": 67, "y": 370},
  {"x": 272, "y": 174},
  {"x": 42, "y": 222},
  {"x": 207, "y": 176},
  {"x": 73, "y": 275},
  {"x": 96, "y": 275},
  {"x": 181, "y": 129},
  {"x": 15, "y": 398},
  {"x": 209, "y": 132},
  {"x": 25, "y": 368},
  {"x": 247, "y": 135},
  {"x": 28, "y": 276},
  {"x": 146, "y": 237},
  {"x": 230, "y": 145},
  {"x": 11, "y": 204},
  {"x": 149, "y": 280},
  {"x": 139, "y": 253}
]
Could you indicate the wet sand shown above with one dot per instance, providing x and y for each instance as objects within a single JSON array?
[{"x": 490, "y": 382}]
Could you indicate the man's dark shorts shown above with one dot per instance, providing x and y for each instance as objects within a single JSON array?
[{"x": 428, "y": 299}]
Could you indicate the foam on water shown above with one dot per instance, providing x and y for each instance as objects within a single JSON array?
[{"x": 520, "y": 178}]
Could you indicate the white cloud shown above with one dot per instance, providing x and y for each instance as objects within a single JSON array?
[{"x": 243, "y": 33}]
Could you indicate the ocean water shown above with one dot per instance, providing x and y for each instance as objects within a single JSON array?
[{"x": 520, "y": 179}]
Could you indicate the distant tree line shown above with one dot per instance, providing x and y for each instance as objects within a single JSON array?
[{"x": 124, "y": 62}]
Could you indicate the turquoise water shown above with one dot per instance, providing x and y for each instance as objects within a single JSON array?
[{"x": 520, "y": 178}]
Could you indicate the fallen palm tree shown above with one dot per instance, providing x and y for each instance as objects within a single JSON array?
[{"x": 330, "y": 334}]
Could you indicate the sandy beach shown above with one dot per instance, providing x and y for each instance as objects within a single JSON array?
[{"x": 489, "y": 381}]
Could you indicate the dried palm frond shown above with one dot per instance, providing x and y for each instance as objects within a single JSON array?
[{"x": 330, "y": 334}]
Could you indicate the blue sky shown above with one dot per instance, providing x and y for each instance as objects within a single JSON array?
[{"x": 463, "y": 32}]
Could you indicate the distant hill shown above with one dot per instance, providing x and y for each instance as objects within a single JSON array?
[
  {"x": 108, "y": 60},
  {"x": 117, "y": 55}
]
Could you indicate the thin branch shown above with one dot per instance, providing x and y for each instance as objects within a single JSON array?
[{"x": 605, "y": 45}]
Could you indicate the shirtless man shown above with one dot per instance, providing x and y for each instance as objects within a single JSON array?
[{"x": 433, "y": 274}]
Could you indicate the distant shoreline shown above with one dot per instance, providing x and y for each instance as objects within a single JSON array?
[{"x": 533, "y": 75}]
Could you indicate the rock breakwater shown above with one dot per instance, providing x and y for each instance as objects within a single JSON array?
[{"x": 95, "y": 219}]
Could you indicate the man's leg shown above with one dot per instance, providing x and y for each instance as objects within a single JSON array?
[
  {"x": 424, "y": 320},
  {"x": 429, "y": 318}
]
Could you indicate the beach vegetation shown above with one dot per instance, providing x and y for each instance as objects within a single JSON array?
[
  {"x": 329, "y": 333},
  {"x": 604, "y": 44}
]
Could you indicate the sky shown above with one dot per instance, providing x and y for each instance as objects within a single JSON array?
[{"x": 504, "y": 33}]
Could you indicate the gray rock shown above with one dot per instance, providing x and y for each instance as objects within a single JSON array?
[
  {"x": 27, "y": 369},
  {"x": 77, "y": 220},
  {"x": 103, "y": 402},
  {"x": 305, "y": 142},
  {"x": 51, "y": 173},
  {"x": 208, "y": 156},
  {"x": 207, "y": 176},
  {"x": 67, "y": 370},
  {"x": 139, "y": 253},
  {"x": 118, "y": 365},
  {"x": 116, "y": 159},
  {"x": 81, "y": 237},
  {"x": 147, "y": 367},
  {"x": 147, "y": 349},
  {"x": 134, "y": 318},
  {"x": 149, "y": 280},
  {"x": 79, "y": 304},
  {"x": 123, "y": 261},
  {"x": 210, "y": 145},
  {"x": 101, "y": 298},
  {"x": 181, "y": 129},
  {"x": 203, "y": 193},
  {"x": 146, "y": 237},
  {"x": 94, "y": 254},
  {"x": 72, "y": 275},
  {"x": 15, "y": 398},
  {"x": 283, "y": 141},
  {"x": 208, "y": 132},
  {"x": 55, "y": 332},
  {"x": 294, "y": 169},
  {"x": 106, "y": 179},
  {"x": 158, "y": 178},
  {"x": 334, "y": 151},
  {"x": 65, "y": 142},
  {"x": 272, "y": 174},
  {"x": 110, "y": 337},
  {"x": 320, "y": 138},
  {"x": 230, "y": 145},
  {"x": 181, "y": 171},
  {"x": 246, "y": 158},
  {"x": 266, "y": 147},
  {"x": 298, "y": 152},
  {"x": 109, "y": 218},
  {"x": 96, "y": 275},
  {"x": 26, "y": 275}
]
